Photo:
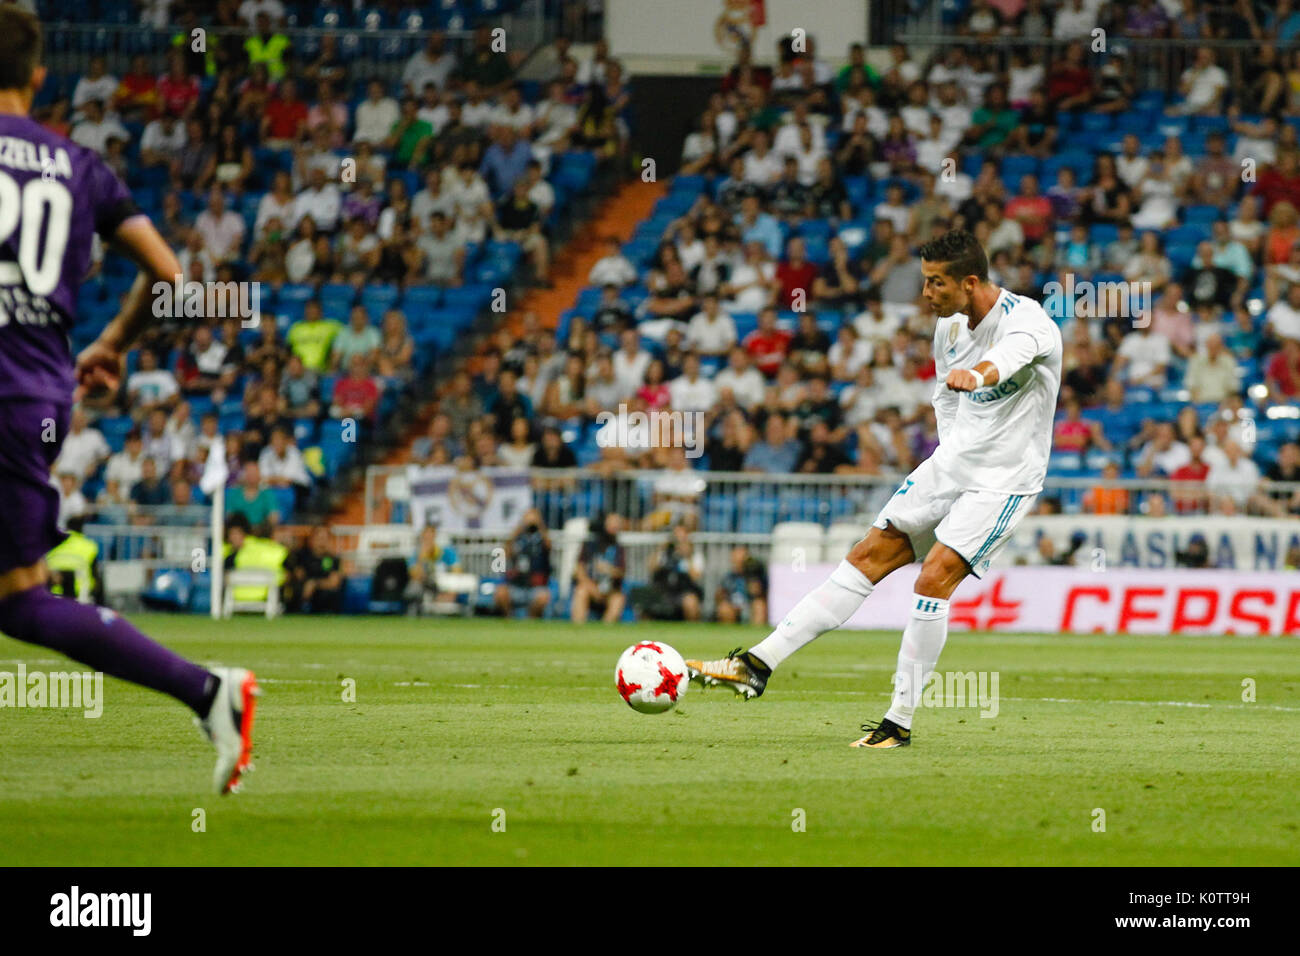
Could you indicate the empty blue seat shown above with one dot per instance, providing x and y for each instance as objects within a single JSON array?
[
  {"x": 1149, "y": 100},
  {"x": 859, "y": 191},
  {"x": 1191, "y": 233},
  {"x": 294, "y": 292},
  {"x": 1103, "y": 232},
  {"x": 474, "y": 297},
  {"x": 1180, "y": 254},
  {"x": 1017, "y": 165},
  {"x": 1202, "y": 216},
  {"x": 422, "y": 297},
  {"x": 688, "y": 184}
]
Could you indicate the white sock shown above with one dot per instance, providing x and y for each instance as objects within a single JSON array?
[
  {"x": 822, "y": 609},
  {"x": 923, "y": 640}
]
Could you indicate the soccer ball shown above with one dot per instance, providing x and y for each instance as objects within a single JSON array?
[{"x": 651, "y": 677}]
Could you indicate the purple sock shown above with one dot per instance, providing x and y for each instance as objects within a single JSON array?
[{"x": 100, "y": 638}]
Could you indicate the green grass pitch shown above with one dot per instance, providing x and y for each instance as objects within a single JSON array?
[{"x": 460, "y": 725}]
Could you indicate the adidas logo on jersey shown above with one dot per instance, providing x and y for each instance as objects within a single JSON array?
[{"x": 994, "y": 392}]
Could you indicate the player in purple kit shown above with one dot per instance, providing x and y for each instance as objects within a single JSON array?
[{"x": 54, "y": 195}]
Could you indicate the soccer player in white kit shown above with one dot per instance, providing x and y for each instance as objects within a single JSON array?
[{"x": 998, "y": 370}]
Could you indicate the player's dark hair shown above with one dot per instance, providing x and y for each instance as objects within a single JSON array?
[
  {"x": 960, "y": 252},
  {"x": 20, "y": 47}
]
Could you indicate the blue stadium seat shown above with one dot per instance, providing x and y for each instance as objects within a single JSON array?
[
  {"x": 691, "y": 185},
  {"x": 1180, "y": 254},
  {"x": 1103, "y": 232},
  {"x": 1185, "y": 235},
  {"x": 421, "y": 297},
  {"x": 1149, "y": 100},
  {"x": 1202, "y": 216},
  {"x": 1016, "y": 165},
  {"x": 859, "y": 191}
]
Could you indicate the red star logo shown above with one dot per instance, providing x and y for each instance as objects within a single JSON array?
[
  {"x": 654, "y": 647},
  {"x": 985, "y": 612},
  {"x": 626, "y": 689},
  {"x": 669, "y": 683}
]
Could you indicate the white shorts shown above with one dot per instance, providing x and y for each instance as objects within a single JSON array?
[{"x": 975, "y": 524}]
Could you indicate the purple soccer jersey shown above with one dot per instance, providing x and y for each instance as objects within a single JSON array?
[{"x": 54, "y": 196}]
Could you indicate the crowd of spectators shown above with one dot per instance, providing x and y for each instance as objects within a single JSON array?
[
  {"x": 294, "y": 164},
  {"x": 778, "y": 294},
  {"x": 781, "y": 296}
]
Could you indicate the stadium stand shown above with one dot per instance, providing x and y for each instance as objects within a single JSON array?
[
  {"x": 1170, "y": 265},
  {"x": 1149, "y": 202},
  {"x": 372, "y": 187}
]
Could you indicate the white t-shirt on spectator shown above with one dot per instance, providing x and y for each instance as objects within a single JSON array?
[
  {"x": 323, "y": 205},
  {"x": 101, "y": 89},
  {"x": 375, "y": 120},
  {"x": 612, "y": 270},
  {"x": 268, "y": 208},
  {"x": 1285, "y": 320},
  {"x": 1206, "y": 84},
  {"x": 96, "y": 135},
  {"x": 222, "y": 234},
  {"x": 249, "y": 9},
  {"x": 1146, "y": 353},
  {"x": 711, "y": 336},
  {"x": 125, "y": 470},
  {"x": 1237, "y": 481},
  {"x": 155, "y": 137},
  {"x": 156, "y": 386},
  {"x": 749, "y": 386},
  {"x": 763, "y": 170},
  {"x": 860, "y": 356},
  {"x": 290, "y": 466},
  {"x": 81, "y": 450},
  {"x": 697, "y": 396},
  {"x": 629, "y": 371}
]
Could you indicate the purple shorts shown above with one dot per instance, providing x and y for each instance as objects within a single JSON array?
[{"x": 29, "y": 502}]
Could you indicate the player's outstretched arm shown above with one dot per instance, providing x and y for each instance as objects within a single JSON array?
[{"x": 100, "y": 364}]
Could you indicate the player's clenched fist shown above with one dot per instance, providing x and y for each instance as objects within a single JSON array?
[
  {"x": 964, "y": 380},
  {"x": 99, "y": 367}
]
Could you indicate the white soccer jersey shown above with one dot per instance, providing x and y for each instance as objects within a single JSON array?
[{"x": 997, "y": 438}]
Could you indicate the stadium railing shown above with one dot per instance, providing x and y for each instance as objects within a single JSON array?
[
  {"x": 790, "y": 519},
  {"x": 753, "y": 503}
]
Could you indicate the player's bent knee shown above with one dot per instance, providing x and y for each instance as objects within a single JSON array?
[
  {"x": 883, "y": 550},
  {"x": 942, "y": 571}
]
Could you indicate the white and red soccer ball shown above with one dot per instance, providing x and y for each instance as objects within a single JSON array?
[{"x": 651, "y": 677}]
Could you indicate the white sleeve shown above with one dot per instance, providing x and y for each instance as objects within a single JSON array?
[
  {"x": 944, "y": 399},
  {"x": 1023, "y": 339}
]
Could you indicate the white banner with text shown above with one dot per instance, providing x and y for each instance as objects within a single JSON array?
[{"x": 1052, "y": 600}]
